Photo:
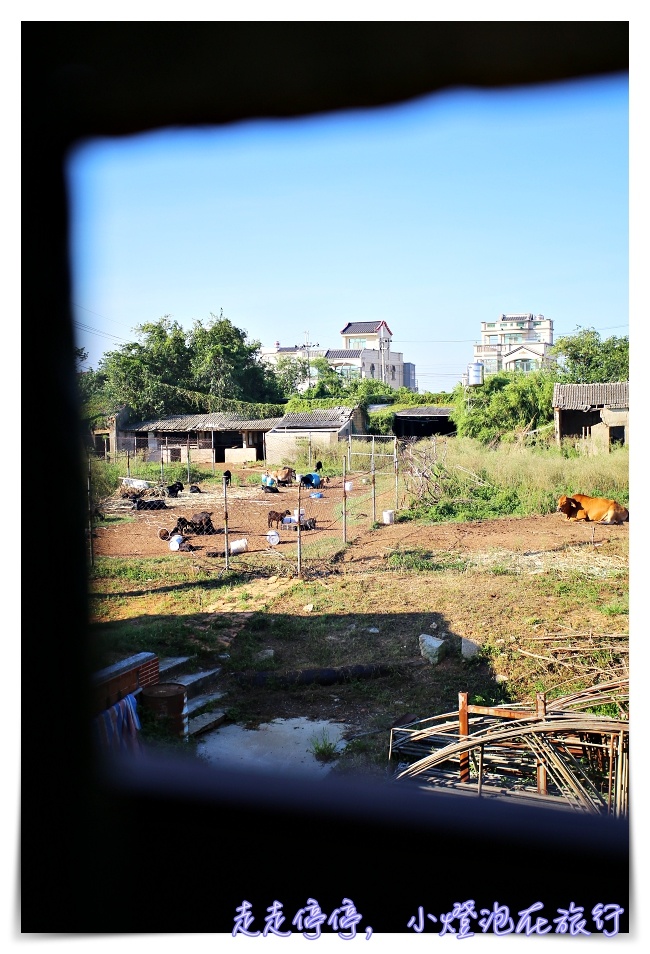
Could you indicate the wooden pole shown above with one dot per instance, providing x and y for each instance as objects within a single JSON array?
[
  {"x": 188, "y": 457},
  {"x": 540, "y": 712},
  {"x": 128, "y": 464},
  {"x": 212, "y": 432},
  {"x": 463, "y": 730},
  {"x": 345, "y": 516},
  {"x": 299, "y": 533},
  {"x": 90, "y": 515},
  {"x": 225, "y": 520}
]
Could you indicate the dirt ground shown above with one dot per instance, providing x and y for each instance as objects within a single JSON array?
[{"x": 537, "y": 541}]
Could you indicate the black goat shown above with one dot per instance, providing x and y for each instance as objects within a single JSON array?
[
  {"x": 227, "y": 476},
  {"x": 319, "y": 466},
  {"x": 140, "y": 504},
  {"x": 194, "y": 489},
  {"x": 173, "y": 489}
]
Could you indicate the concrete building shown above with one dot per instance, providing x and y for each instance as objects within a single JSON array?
[
  {"x": 365, "y": 352},
  {"x": 519, "y": 342}
]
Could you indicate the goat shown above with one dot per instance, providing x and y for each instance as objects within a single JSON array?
[
  {"x": 140, "y": 504},
  {"x": 276, "y": 518},
  {"x": 313, "y": 480},
  {"x": 227, "y": 476},
  {"x": 319, "y": 466},
  {"x": 203, "y": 521},
  {"x": 173, "y": 489},
  {"x": 194, "y": 489},
  {"x": 284, "y": 477}
]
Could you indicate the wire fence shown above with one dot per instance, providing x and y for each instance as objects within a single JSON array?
[{"x": 229, "y": 519}]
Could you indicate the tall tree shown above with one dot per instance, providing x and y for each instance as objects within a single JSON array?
[
  {"x": 168, "y": 370},
  {"x": 583, "y": 358}
]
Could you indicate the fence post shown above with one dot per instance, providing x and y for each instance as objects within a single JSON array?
[
  {"x": 212, "y": 432},
  {"x": 373, "y": 452},
  {"x": 374, "y": 490},
  {"x": 396, "y": 466},
  {"x": 90, "y": 515},
  {"x": 540, "y": 712},
  {"x": 310, "y": 458},
  {"x": 345, "y": 516},
  {"x": 225, "y": 520},
  {"x": 162, "y": 468},
  {"x": 128, "y": 463},
  {"x": 188, "y": 457},
  {"x": 463, "y": 730},
  {"x": 349, "y": 451},
  {"x": 299, "y": 537}
]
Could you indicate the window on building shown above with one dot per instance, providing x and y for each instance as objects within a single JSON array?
[
  {"x": 392, "y": 372},
  {"x": 358, "y": 344},
  {"x": 372, "y": 370}
]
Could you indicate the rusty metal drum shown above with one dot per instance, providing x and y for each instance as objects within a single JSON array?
[{"x": 167, "y": 702}]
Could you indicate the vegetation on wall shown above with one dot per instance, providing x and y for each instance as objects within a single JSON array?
[{"x": 508, "y": 403}]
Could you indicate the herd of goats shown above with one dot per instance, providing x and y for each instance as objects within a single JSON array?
[{"x": 200, "y": 523}]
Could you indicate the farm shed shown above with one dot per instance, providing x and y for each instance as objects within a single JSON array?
[
  {"x": 597, "y": 413},
  {"x": 423, "y": 421},
  {"x": 230, "y": 437},
  {"x": 317, "y": 431}
]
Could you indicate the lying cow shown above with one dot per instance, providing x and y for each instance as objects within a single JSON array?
[{"x": 594, "y": 509}]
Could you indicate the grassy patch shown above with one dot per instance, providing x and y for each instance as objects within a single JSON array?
[{"x": 425, "y": 561}]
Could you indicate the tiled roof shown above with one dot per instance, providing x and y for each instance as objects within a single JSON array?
[
  {"x": 325, "y": 418},
  {"x": 290, "y": 350},
  {"x": 581, "y": 397},
  {"x": 364, "y": 328},
  {"x": 343, "y": 353},
  {"x": 425, "y": 410},
  {"x": 222, "y": 421}
]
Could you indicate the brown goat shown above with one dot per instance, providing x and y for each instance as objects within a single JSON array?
[{"x": 277, "y": 518}]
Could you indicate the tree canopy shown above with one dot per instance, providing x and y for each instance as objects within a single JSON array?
[
  {"x": 168, "y": 370},
  {"x": 583, "y": 358}
]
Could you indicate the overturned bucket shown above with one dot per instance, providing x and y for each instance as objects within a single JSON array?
[
  {"x": 238, "y": 546},
  {"x": 175, "y": 542},
  {"x": 273, "y": 538}
]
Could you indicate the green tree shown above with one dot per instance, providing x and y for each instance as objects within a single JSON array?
[
  {"x": 507, "y": 402},
  {"x": 329, "y": 383},
  {"x": 583, "y": 358},
  {"x": 170, "y": 371},
  {"x": 291, "y": 372}
]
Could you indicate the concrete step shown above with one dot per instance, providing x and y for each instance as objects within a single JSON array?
[
  {"x": 198, "y": 702},
  {"x": 197, "y": 682},
  {"x": 168, "y": 666},
  {"x": 205, "y": 721}
]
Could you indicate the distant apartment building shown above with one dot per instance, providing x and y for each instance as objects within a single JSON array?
[
  {"x": 365, "y": 352},
  {"x": 518, "y": 342}
]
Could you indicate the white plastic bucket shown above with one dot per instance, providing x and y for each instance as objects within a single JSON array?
[
  {"x": 175, "y": 542},
  {"x": 389, "y": 516},
  {"x": 299, "y": 477},
  {"x": 238, "y": 546},
  {"x": 302, "y": 513},
  {"x": 317, "y": 496},
  {"x": 348, "y": 486},
  {"x": 273, "y": 537}
]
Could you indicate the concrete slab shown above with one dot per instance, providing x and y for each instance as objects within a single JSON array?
[{"x": 279, "y": 746}]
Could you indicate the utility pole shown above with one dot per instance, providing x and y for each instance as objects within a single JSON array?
[{"x": 306, "y": 348}]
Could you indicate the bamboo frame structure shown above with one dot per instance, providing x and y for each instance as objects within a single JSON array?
[{"x": 555, "y": 754}]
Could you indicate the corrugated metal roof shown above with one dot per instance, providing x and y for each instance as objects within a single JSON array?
[
  {"x": 343, "y": 353},
  {"x": 580, "y": 397},
  {"x": 425, "y": 410},
  {"x": 331, "y": 418},
  {"x": 222, "y": 421}
]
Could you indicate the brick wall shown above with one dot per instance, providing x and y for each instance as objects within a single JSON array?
[{"x": 115, "y": 682}]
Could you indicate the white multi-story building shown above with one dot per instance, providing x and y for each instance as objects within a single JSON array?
[
  {"x": 365, "y": 352},
  {"x": 515, "y": 343}
]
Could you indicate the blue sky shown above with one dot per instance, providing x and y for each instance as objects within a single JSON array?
[{"x": 433, "y": 215}]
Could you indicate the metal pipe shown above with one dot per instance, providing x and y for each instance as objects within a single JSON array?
[{"x": 225, "y": 519}]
